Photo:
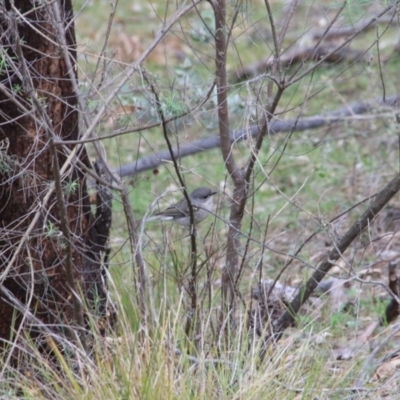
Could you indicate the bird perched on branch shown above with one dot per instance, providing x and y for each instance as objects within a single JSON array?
[{"x": 202, "y": 203}]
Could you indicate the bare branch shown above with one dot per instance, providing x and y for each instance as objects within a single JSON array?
[
  {"x": 192, "y": 287},
  {"x": 222, "y": 89}
]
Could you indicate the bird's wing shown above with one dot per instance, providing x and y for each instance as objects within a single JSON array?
[{"x": 175, "y": 212}]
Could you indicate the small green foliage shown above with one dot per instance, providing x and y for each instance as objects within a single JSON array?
[
  {"x": 8, "y": 164},
  {"x": 339, "y": 319},
  {"x": 3, "y": 62},
  {"x": 125, "y": 120},
  {"x": 355, "y": 10},
  {"x": 173, "y": 107},
  {"x": 6, "y": 167},
  {"x": 61, "y": 243},
  {"x": 93, "y": 104},
  {"x": 17, "y": 88},
  {"x": 203, "y": 28},
  {"x": 70, "y": 187},
  {"x": 51, "y": 230},
  {"x": 374, "y": 306}
]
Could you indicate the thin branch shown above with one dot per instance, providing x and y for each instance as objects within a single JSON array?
[
  {"x": 136, "y": 65},
  {"x": 192, "y": 287},
  {"x": 277, "y": 44},
  {"x": 286, "y": 22},
  {"x": 380, "y": 65},
  {"x": 103, "y": 50},
  {"x": 121, "y": 132},
  {"x": 319, "y": 41},
  {"x": 143, "y": 284}
]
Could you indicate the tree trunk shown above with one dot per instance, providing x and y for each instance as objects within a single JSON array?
[{"x": 51, "y": 244}]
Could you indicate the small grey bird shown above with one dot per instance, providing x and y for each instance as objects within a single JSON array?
[{"x": 202, "y": 203}]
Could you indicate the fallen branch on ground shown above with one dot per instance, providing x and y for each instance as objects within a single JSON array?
[
  {"x": 300, "y": 54},
  {"x": 276, "y": 126}
]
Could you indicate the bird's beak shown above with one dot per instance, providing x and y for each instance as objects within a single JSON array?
[{"x": 212, "y": 194}]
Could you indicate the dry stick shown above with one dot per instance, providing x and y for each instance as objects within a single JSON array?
[
  {"x": 286, "y": 22},
  {"x": 380, "y": 65},
  {"x": 142, "y": 283},
  {"x": 337, "y": 31},
  {"x": 300, "y": 55},
  {"x": 103, "y": 50},
  {"x": 290, "y": 55},
  {"x": 277, "y": 42},
  {"x": 363, "y": 222},
  {"x": 193, "y": 244}
]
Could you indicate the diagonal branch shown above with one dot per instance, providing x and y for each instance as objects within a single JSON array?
[{"x": 363, "y": 222}]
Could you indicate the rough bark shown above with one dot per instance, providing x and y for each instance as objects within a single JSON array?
[{"x": 34, "y": 67}]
